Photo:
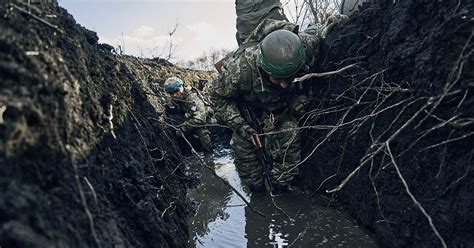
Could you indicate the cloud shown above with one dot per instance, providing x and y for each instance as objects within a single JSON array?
[
  {"x": 203, "y": 32},
  {"x": 143, "y": 41},
  {"x": 203, "y": 37}
]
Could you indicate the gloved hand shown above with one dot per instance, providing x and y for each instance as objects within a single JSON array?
[
  {"x": 331, "y": 22},
  {"x": 248, "y": 132},
  {"x": 213, "y": 120},
  {"x": 298, "y": 107}
]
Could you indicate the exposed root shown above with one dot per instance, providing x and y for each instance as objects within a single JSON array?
[
  {"x": 172, "y": 204},
  {"x": 92, "y": 189},
  {"x": 41, "y": 20},
  {"x": 323, "y": 74},
  {"x": 407, "y": 189},
  {"x": 110, "y": 117},
  {"x": 2, "y": 110},
  {"x": 88, "y": 213}
]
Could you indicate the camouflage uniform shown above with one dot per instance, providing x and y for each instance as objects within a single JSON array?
[
  {"x": 197, "y": 113},
  {"x": 242, "y": 80}
]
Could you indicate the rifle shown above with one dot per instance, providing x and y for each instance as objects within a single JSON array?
[{"x": 265, "y": 159}]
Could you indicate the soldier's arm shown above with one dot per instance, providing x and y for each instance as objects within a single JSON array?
[
  {"x": 311, "y": 40},
  {"x": 314, "y": 34},
  {"x": 225, "y": 93},
  {"x": 197, "y": 111}
]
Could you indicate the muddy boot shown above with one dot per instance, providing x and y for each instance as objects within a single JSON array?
[{"x": 205, "y": 139}]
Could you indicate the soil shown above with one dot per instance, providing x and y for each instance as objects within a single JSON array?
[
  {"x": 86, "y": 157},
  {"x": 413, "y": 89}
]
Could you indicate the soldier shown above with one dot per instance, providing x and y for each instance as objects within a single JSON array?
[
  {"x": 260, "y": 75},
  {"x": 190, "y": 103}
]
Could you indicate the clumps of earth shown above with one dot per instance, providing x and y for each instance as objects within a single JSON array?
[
  {"x": 392, "y": 137},
  {"x": 86, "y": 155}
]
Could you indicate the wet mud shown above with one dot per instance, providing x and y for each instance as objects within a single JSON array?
[{"x": 222, "y": 219}]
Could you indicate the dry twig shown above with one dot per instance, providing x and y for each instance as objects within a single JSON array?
[
  {"x": 407, "y": 189},
  {"x": 22, "y": 10},
  {"x": 323, "y": 74}
]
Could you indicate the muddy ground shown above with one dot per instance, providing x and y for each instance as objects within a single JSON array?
[
  {"x": 86, "y": 158},
  {"x": 410, "y": 97}
]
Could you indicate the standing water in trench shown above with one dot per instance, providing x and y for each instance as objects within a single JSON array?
[{"x": 223, "y": 220}]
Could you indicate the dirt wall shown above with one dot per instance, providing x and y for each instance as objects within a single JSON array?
[
  {"x": 85, "y": 155},
  {"x": 403, "y": 113}
]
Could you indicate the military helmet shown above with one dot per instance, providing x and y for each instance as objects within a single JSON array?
[
  {"x": 173, "y": 84},
  {"x": 281, "y": 54}
]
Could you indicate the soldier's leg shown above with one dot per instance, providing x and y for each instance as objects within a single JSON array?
[
  {"x": 247, "y": 163},
  {"x": 251, "y": 12},
  {"x": 285, "y": 149},
  {"x": 205, "y": 138}
]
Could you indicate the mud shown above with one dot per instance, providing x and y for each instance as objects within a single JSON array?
[
  {"x": 87, "y": 159},
  {"x": 412, "y": 89}
]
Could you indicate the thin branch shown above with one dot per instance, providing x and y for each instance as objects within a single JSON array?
[
  {"x": 448, "y": 141},
  {"x": 172, "y": 204},
  {"x": 36, "y": 17},
  {"x": 88, "y": 213},
  {"x": 92, "y": 189},
  {"x": 370, "y": 156},
  {"x": 211, "y": 170},
  {"x": 413, "y": 197},
  {"x": 323, "y": 74}
]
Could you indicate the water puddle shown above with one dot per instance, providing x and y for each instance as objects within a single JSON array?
[{"x": 223, "y": 220}]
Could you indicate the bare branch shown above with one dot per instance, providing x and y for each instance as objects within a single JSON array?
[
  {"x": 407, "y": 189},
  {"x": 36, "y": 17},
  {"x": 323, "y": 74}
]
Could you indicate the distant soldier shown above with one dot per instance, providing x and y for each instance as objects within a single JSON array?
[
  {"x": 191, "y": 104},
  {"x": 255, "y": 93}
]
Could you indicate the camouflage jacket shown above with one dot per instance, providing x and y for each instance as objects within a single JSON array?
[
  {"x": 241, "y": 79},
  {"x": 196, "y": 107}
]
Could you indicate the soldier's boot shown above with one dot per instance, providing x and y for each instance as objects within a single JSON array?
[{"x": 205, "y": 139}]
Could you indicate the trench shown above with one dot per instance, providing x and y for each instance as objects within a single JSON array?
[{"x": 222, "y": 219}]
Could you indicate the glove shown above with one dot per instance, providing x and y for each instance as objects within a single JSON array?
[
  {"x": 250, "y": 134},
  {"x": 213, "y": 120},
  {"x": 331, "y": 22},
  {"x": 299, "y": 105}
]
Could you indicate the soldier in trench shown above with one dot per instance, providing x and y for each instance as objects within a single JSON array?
[
  {"x": 190, "y": 111},
  {"x": 259, "y": 75}
]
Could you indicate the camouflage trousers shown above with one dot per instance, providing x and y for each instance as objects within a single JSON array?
[
  {"x": 204, "y": 137},
  {"x": 283, "y": 148}
]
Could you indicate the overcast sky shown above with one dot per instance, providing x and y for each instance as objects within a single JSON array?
[{"x": 202, "y": 25}]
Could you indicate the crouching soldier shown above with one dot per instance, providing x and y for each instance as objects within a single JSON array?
[
  {"x": 255, "y": 95},
  {"x": 190, "y": 104}
]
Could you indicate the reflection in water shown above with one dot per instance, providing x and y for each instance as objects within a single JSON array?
[{"x": 223, "y": 220}]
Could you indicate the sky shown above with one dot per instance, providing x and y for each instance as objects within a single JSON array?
[{"x": 141, "y": 27}]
